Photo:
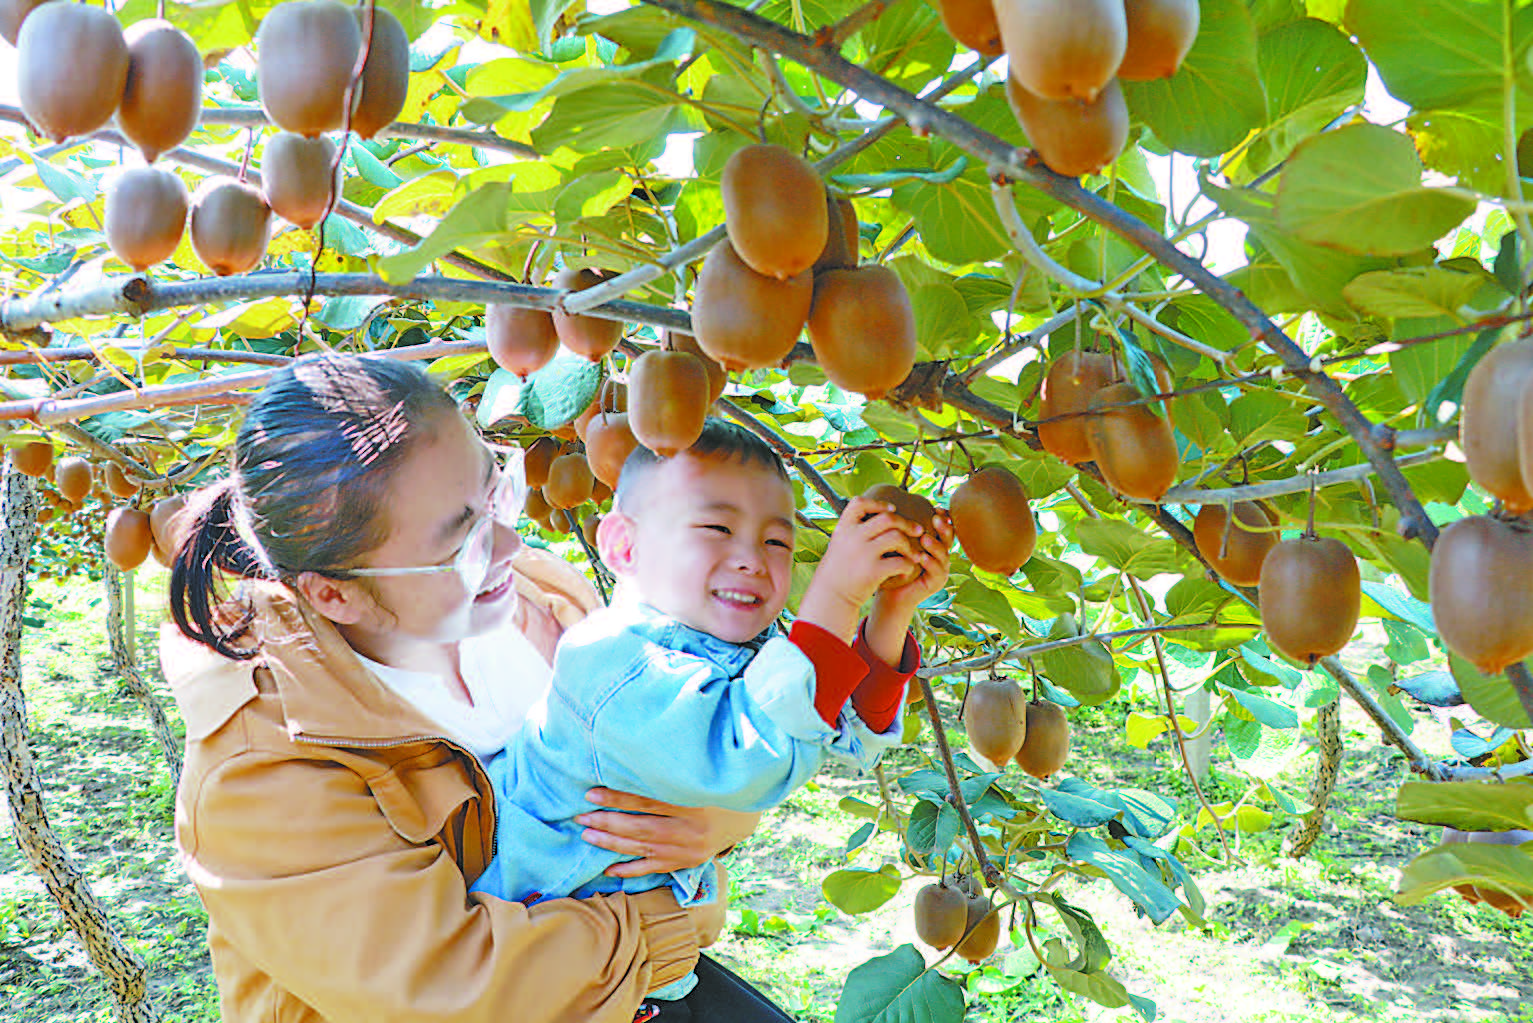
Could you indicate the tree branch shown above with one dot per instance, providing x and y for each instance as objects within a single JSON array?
[
  {"x": 255, "y": 117},
  {"x": 785, "y": 448}
]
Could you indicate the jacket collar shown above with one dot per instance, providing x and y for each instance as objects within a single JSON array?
[{"x": 648, "y": 622}]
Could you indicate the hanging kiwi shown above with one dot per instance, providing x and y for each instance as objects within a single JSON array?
[
  {"x": 717, "y": 378},
  {"x": 609, "y": 442},
  {"x": 611, "y": 397},
  {"x": 590, "y": 336},
  {"x": 941, "y": 914},
  {"x": 128, "y": 538},
  {"x": 1160, "y": 32},
  {"x": 863, "y": 329},
  {"x": 1071, "y": 382},
  {"x": 1481, "y": 585},
  {"x": 841, "y": 238},
  {"x": 742, "y": 319},
  {"x": 298, "y": 176},
  {"x": 771, "y": 226},
  {"x": 145, "y": 218},
  {"x": 1310, "y": 595},
  {"x": 995, "y": 716},
  {"x": 164, "y": 525},
  {"x": 1235, "y": 549},
  {"x": 1489, "y": 428},
  {"x": 117, "y": 483},
  {"x": 162, "y": 96},
  {"x": 74, "y": 479},
  {"x": 12, "y": 14},
  {"x": 993, "y": 520},
  {"x": 1063, "y": 49},
  {"x": 71, "y": 67},
  {"x": 1072, "y": 137},
  {"x": 385, "y": 82},
  {"x": 972, "y": 23},
  {"x": 231, "y": 224},
  {"x": 569, "y": 481},
  {"x": 306, "y": 51},
  {"x": 1047, "y": 744},
  {"x": 668, "y": 393},
  {"x": 984, "y": 929},
  {"x": 540, "y": 455},
  {"x": 911, "y": 508},
  {"x": 33, "y": 458},
  {"x": 1133, "y": 447},
  {"x": 521, "y": 341}
]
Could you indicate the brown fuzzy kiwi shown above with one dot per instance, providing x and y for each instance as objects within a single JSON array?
[
  {"x": 231, "y": 224},
  {"x": 1072, "y": 138},
  {"x": 540, "y": 455},
  {"x": 128, "y": 538},
  {"x": 1133, "y": 447},
  {"x": 569, "y": 481},
  {"x": 74, "y": 479},
  {"x": 994, "y": 715},
  {"x": 536, "y": 506},
  {"x": 162, "y": 97},
  {"x": 993, "y": 520},
  {"x": 1488, "y": 423},
  {"x": 912, "y": 508},
  {"x": 742, "y": 319},
  {"x": 164, "y": 524},
  {"x": 33, "y": 458},
  {"x": 1069, "y": 385},
  {"x": 601, "y": 493},
  {"x": 1481, "y": 586},
  {"x": 972, "y": 23},
  {"x": 863, "y": 329},
  {"x": 1238, "y": 558},
  {"x": 668, "y": 396},
  {"x": 841, "y": 239},
  {"x": 521, "y": 341},
  {"x": 984, "y": 929},
  {"x": 610, "y": 397},
  {"x": 1160, "y": 32},
  {"x": 12, "y": 14},
  {"x": 385, "y": 76},
  {"x": 1310, "y": 596},
  {"x": 717, "y": 378},
  {"x": 609, "y": 442},
  {"x": 71, "y": 66},
  {"x": 117, "y": 483},
  {"x": 588, "y": 527},
  {"x": 1047, "y": 745},
  {"x": 1063, "y": 49},
  {"x": 590, "y": 336},
  {"x": 298, "y": 177},
  {"x": 941, "y": 915},
  {"x": 771, "y": 226},
  {"x": 146, "y": 212},
  {"x": 306, "y": 51}
]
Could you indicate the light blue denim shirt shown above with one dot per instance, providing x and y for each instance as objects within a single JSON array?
[{"x": 642, "y": 703}]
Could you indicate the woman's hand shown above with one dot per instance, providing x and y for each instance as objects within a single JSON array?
[{"x": 662, "y": 837}]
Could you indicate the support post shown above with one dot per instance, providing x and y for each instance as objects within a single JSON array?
[{"x": 1198, "y": 707}]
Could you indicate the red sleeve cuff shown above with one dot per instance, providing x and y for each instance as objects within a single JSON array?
[
  {"x": 838, "y": 668},
  {"x": 878, "y": 698}
]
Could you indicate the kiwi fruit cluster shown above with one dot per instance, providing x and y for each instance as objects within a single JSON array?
[
  {"x": 1066, "y": 58},
  {"x": 306, "y": 53},
  {"x": 523, "y": 341},
  {"x": 955, "y": 912},
  {"x": 1235, "y": 540}
]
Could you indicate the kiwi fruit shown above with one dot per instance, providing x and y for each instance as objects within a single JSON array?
[
  {"x": 668, "y": 395},
  {"x": 540, "y": 455},
  {"x": 601, "y": 493},
  {"x": 984, "y": 929},
  {"x": 117, "y": 483},
  {"x": 128, "y": 538},
  {"x": 1481, "y": 585},
  {"x": 841, "y": 239},
  {"x": 611, "y": 397},
  {"x": 1524, "y": 416},
  {"x": 74, "y": 479},
  {"x": 1133, "y": 447},
  {"x": 1310, "y": 596},
  {"x": 1506, "y": 902},
  {"x": 862, "y": 329},
  {"x": 12, "y": 14},
  {"x": 941, "y": 915},
  {"x": 993, "y": 520},
  {"x": 994, "y": 715},
  {"x": 678, "y": 342},
  {"x": 163, "y": 524},
  {"x": 33, "y": 458},
  {"x": 569, "y": 481},
  {"x": 299, "y": 176},
  {"x": 71, "y": 67},
  {"x": 1047, "y": 744},
  {"x": 231, "y": 224},
  {"x": 306, "y": 51},
  {"x": 588, "y": 527},
  {"x": 742, "y": 319},
  {"x": 1063, "y": 49},
  {"x": 590, "y": 336},
  {"x": 609, "y": 442},
  {"x": 972, "y": 23},
  {"x": 521, "y": 341},
  {"x": 1237, "y": 556},
  {"x": 1160, "y": 32},
  {"x": 536, "y": 505},
  {"x": 385, "y": 80},
  {"x": 1068, "y": 387},
  {"x": 1071, "y": 137},
  {"x": 1489, "y": 427},
  {"x": 162, "y": 97},
  {"x": 912, "y": 508},
  {"x": 145, "y": 216},
  {"x": 771, "y": 226}
]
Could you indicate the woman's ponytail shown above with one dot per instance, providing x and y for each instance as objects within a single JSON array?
[{"x": 210, "y": 551}]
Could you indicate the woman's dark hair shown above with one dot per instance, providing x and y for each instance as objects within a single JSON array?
[
  {"x": 311, "y": 463},
  {"x": 720, "y": 441}
]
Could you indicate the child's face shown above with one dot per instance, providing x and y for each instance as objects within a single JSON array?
[{"x": 710, "y": 544}]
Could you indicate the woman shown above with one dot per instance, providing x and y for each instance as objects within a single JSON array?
[{"x": 355, "y": 629}]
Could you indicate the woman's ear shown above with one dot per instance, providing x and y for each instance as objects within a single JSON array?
[
  {"x": 615, "y": 542},
  {"x": 343, "y": 601}
]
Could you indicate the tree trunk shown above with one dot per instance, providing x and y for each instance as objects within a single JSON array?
[
  {"x": 125, "y": 972},
  {"x": 119, "y": 628},
  {"x": 1328, "y": 728}
]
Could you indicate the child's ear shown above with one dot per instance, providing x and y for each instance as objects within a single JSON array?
[
  {"x": 615, "y": 542},
  {"x": 340, "y": 600}
]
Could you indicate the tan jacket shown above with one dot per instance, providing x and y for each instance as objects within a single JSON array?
[{"x": 329, "y": 832}]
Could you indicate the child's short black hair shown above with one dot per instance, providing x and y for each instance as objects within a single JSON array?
[{"x": 721, "y": 441}]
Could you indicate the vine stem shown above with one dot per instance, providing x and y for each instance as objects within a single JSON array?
[
  {"x": 785, "y": 448},
  {"x": 248, "y": 116},
  {"x": 1034, "y": 649},
  {"x": 992, "y": 873}
]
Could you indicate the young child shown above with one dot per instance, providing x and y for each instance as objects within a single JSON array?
[{"x": 680, "y": 692}]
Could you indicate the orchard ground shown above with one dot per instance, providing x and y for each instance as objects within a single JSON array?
[{"x": 1317, "y": 940}]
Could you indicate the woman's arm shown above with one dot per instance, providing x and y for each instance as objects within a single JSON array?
[{"x": 664, "y": 837}]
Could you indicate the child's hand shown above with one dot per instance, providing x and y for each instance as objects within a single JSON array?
[
  {"x": 854, "y": 565},
  {"x": 931, "y": 550}
]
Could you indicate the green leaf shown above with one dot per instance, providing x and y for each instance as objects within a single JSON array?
[
  {"x": 1259, "y": 751},
  {"x": 1502, "y": 868},
  {"x": 987, "y": 605},
  {"x": 898, "y": 988},
  {"x": 1126, "y": 547},
  {"x": 1401, "y": 605},
  {"x": 1085, "y": 670},
  {"x": 64, "y": 183},
  {"x": 932, "y": 828},
  {"x": 1492, "y": 696},
  {"x": 1261, "y": 414},
  {"x": 1312, "y": 72},
  {"x": 1418, "y": 369},
  {"x": 855, "y": 890},
  {"x": 1126, "y": 873},
  {"x": 1468, "y": 805},
  {"x": 941, "y": 318},
  {"x": 1077, "y": 811},
  {"x": 1413, "y": 291},
  {"x": 483, "y": 213},
  {"x": 1217, "y": 96},
  {"x": 1269, "y": 712},
  {"x": 592, "y": 119},
  {"x": 957, "y": 221},
  {"x": 1446, "y": 53}
]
